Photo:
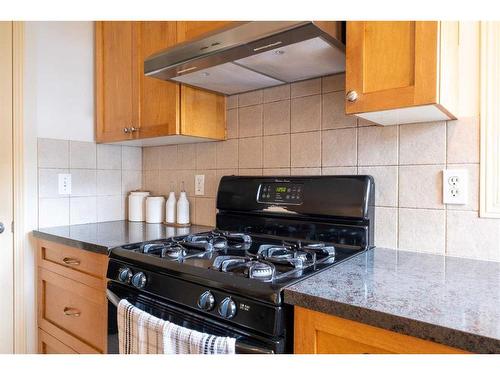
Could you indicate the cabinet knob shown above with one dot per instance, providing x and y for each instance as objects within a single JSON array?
[
  {"x": 351, "y": 96},
  {"x": 132, "y": 129},
  {"x": 125, "y": 130}
]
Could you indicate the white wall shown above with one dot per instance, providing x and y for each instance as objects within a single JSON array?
[{"x": 61, "y": 87}]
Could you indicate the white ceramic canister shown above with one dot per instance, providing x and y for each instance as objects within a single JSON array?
[
  {"x": 137, "y": 205},
  {"x": 170, "y": 208},
  {"x": 155, "y": 209},
  {"x": 183, "y": 209}
]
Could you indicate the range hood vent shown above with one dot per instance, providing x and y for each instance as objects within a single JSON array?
[{"x": 251, "y": 56}]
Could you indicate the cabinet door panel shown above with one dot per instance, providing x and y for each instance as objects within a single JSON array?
[
  {"x": 391, "y": 64},
  {"x": 114, "y": 105},
  {"x": 187, "y": 30},
  {"x": 158, "y": 101}
]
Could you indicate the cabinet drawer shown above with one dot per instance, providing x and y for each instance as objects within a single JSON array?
[
  {"x": 72, "y": 312},
  {"x": 48, "y": 344},
  {"x": 80, "y": 265}
]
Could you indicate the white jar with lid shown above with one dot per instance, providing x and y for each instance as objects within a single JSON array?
[
  {"x": 155, "y": 212},
  {"x": 137, "y": 205}
]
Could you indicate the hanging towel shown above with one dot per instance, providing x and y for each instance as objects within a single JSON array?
[{"x": 142, "y": 333}]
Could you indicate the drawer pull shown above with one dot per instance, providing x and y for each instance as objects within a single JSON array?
[
  {"x": 71, "y": 261},
  {"x": 68, "y": 311}
]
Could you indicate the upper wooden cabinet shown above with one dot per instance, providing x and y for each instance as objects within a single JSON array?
[
  {"x": 131, "y": 106},
  {"x": 187, "y": 30},
  {"x": 402, "y": 71}
]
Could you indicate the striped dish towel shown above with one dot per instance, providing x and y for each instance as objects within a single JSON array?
[{"x": 142, "y": 333}]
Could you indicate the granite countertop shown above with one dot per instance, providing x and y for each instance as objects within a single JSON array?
[
  {"x": 448, "y": 300},
  {"x": 101, "y": 237}
]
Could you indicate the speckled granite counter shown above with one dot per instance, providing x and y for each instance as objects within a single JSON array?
[
  {"x": 100, "y": 237},
  {"x": 448, "y": 300}
]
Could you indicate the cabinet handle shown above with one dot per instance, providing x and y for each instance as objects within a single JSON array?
[
  {"x": 351, "y": 96},
  {"x": 71, "y": 261},
  {"x": 132, "y": 129},
  {"x": 125, "y": 130},
  {"x": 68, "y": 311}
]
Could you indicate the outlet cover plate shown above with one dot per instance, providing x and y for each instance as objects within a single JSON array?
[
  {"x": 455, "y": 186},
  {"x": 64, "y": 183},
  {"x": 199, "y": 184}
]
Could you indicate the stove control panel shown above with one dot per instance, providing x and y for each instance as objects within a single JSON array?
[{"x": 280, "y": 193}]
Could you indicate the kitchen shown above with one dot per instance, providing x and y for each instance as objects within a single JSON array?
[{"x": 380, "y": 147}]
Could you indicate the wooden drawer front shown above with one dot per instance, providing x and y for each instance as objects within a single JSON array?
[
  {"x": 72, "y": 312},
  {"x": 48, "y": 344},
  {"x": 80, "y": 265}
]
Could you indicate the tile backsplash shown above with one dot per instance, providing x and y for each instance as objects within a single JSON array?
[
  {"x": 102, "y": 176},
  {"x": 301, "y": 129}
]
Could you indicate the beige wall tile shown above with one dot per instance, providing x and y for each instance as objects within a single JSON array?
[
  {"x": 110, "y": 208},
  {"x": 227, "y": 154},
  {"x": 378, "y": 145},
  {"x": 53, "y": 212},
  {"x": 277, "y": 118},
  {"x": 306, "y": 114},
  {"x": 250, "y": 121},
  {"x": 225, "y": 172},
  {"x": 206, "y": 155},
  {"x": 211, "y": 182},
  {"x": 363, "y": 122},
  {"x": 150, "y": 182},
  {"x": 82, "y": 210},
  {"x": 306, "y": 149},
  {"x": 84, "y": 155},
  {"x": 422, "y": 143},
  {"x": 131, "y": 180},
  {"x": 305, "y": 171},
  {"x": 277, "y": 151},
  {"x": 335, "y": 171},
  {"x": 463, "y": 141},
  {"x": 334, "y": 82},
  {"x": 276, "y": 93},
  {"x": 421, "y": 186},
  {"x": 84, "y": 182},
  {"x": 168, "y": 157},
  {"x": 250, "y": 98},
  {"x": 422, "y": 230},
  {"x": 150, "y": 158},
  {"x": 386, "y": 184},
  {"x": 48, "y": 183},
  {"x": 333, "y": 112},
  {"x": 473, "y": 196},
  {"x": 305, "y": 88},
  {"x": 250, "y": 172},
  {"x": 232, "y": 101},
  {"x": 232, "y": 123},
  {"x": 53, "y": 153},
  {"x": 250, "y": 153},
  {"x": 205, "y": 211},
  {"x": 109, "y": 182},
  {"x": 185, "y": 179},
  {"x": 186, "y": 156},
  {"x": 109, "y": 157},
  {"x": 276, "y": 172},
  {"x": 131, "y": 158},
  {"x": 168, "y": 181},
  {"x": 469, "y": 236},
  {"x": 386, "y": 227},
  {"x": 339, "y": 148}
]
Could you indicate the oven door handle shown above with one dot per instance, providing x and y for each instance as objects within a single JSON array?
[{"x": 241, "y": 348}]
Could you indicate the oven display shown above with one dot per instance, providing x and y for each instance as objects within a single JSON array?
[{"x": 280, "y": 193}]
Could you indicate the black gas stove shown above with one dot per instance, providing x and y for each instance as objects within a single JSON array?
[{"x": 271, "y": 233}]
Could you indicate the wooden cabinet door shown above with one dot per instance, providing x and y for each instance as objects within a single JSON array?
[
  {"x": 391, "y": 64},
  {"x": 114, "y": 103},
  {"x": 187, "y": 30},
  {"x": 158, "y": 100},
  {"x": 48, "y": 344}
]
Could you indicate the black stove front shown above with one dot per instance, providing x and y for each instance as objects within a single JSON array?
[{"x": 271, "y": 233}]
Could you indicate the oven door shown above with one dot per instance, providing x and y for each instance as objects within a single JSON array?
[{"x": 246, "y": 341}]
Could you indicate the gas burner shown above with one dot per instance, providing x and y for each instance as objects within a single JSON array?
[
  {"x": 260, "y": 270},
  {"x": 237, "y": 237},
  {"x": 321, "y": 249},
  {"x": 245, "y": 266},
  {"x": 174, "y": 252}
]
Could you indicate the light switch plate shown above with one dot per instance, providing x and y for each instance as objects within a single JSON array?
[
  {"x": 455, "y": 186},
  {"x": 64, "y": 183},
  {"x": 199, "y": 184}
]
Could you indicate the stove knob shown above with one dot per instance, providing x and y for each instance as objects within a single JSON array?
[
  {"x": 227, "y": 308},
  {"x": 139, "y": 280},
  {"x": 125, "y": 275},
  {"x": 206, "y": 301}
]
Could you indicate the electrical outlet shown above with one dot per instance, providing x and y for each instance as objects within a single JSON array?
[
  {"x": 199, "y": 184},
  {"x": 455, "y": 186},
  {"x": 64, "y": 180}
]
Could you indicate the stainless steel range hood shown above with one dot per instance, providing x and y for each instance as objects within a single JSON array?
[{"x": 253, "y": 55}]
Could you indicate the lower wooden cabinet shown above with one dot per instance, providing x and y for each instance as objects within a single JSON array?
[
  {"x": 72, "y": 303},
  {"x": 319, "y": 333}
]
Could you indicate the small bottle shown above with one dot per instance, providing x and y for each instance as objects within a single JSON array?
[
  {"x": 183, "y": 208},
  {"x": 170, "y": 208}
]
